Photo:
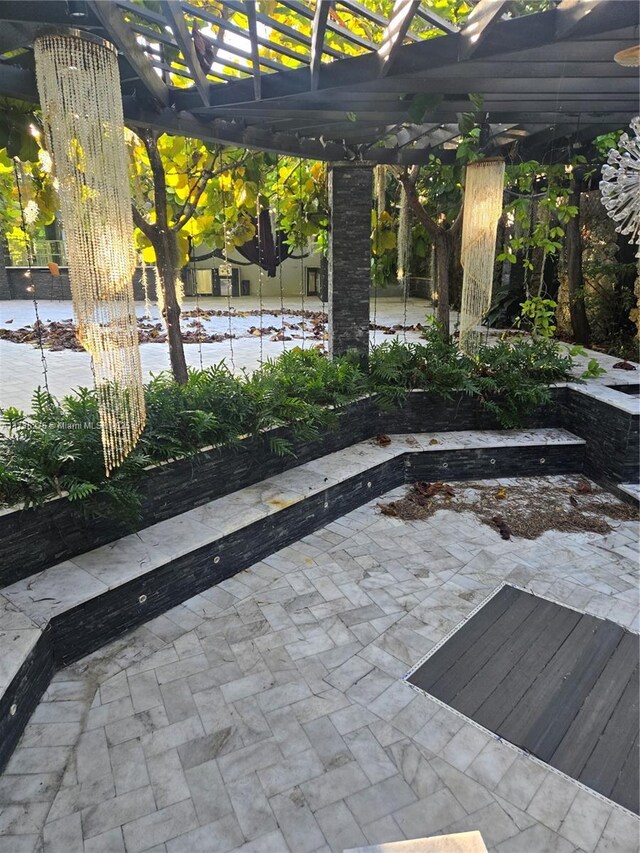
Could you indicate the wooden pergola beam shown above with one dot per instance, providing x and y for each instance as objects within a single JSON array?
[
  {"x": 119, "y": 31},
  {"x": 477, "y": 24},
  {"x": 399, "y": 23},
  {"x": 570, "y": 13},
  {"x": 250, "y": 11},
  {"x": 176, "y": 21},
  {"x": 318, "y": 30},
  {"x": 433, "y": 18}
]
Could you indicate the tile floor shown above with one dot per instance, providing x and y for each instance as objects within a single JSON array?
[{"x": 269, "y": 713}]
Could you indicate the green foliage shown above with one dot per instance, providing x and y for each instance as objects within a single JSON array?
[
  {"x": 514, "y": 375},
  {"x": 538, "y": 315},
  {"x": 56, "y": 450},
  {"x": 593, "y": 370},
  {"x": 396, "y": 368},
  {"x": 510, "y": 378}
]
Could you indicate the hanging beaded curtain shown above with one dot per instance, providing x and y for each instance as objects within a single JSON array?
[
  {"x": 79, "y": 89},
  {"x": 482, "y": 208},
  {"x": 404, "y": 250}
]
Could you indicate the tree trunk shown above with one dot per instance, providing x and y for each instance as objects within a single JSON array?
[
  {"x": 456, "y": 273},
  {"x": 166, "y": 260},
  {"x": 164, "y": 242},
  {"x": 575, "y": 282},
  {"x": 442, "y": 250}
]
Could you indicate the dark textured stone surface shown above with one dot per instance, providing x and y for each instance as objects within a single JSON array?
[
  {"x": 25, "y": 691},
  {"x": 612, "y": 437},
  {"x": 350, "y": 194},
  {"x": 516, "y": 461},
  {"x": 45, "y": 286},
  {"x": 34, "y": 539},
  {"x": 5, "y": 292}
]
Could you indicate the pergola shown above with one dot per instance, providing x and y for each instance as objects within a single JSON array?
[
  {"x": 546, "y": 83},
  {"x": 545, "y": 78}
]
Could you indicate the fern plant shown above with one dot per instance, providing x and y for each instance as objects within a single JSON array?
[{"x": 56, "y": 449}]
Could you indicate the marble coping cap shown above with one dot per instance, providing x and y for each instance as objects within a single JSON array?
[{"x": 460, "y": 842}]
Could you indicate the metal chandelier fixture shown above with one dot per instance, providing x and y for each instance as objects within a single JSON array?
[{"x": 620, "y": 185}]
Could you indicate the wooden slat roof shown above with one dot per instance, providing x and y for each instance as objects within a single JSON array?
[{"x": 544, "y": 77}]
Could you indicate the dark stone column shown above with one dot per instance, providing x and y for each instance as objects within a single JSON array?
[{"x": 350, "y": 193}]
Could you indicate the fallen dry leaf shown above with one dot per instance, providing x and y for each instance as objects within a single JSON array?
[
  {"x": 388, "y": 509},
  {"x": 382, "y": 440},
  {"x": 503, "y": 527},
  {"x": 501, "y": 494}
]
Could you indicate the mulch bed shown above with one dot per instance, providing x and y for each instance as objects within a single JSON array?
[{"x": 524, "y": 509}]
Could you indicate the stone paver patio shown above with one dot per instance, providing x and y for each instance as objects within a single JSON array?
[{"x": 269, "y": 713}]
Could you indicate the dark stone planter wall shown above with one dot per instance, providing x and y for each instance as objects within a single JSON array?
[
  {"x": 23, "y": 694},
  {"x": 516, "y": 461},
  {"x": 34, "y": 539},
  {"x": 612, "y": 436},
  {"x": 46, "y": 286}
]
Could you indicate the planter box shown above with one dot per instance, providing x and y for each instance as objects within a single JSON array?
[{"x": 34, "y": 539}]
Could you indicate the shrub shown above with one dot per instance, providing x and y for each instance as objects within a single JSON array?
[{"x": 56, "y": 449}]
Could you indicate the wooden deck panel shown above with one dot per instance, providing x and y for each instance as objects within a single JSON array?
[
  {"x": 448, "y": 654},
  {"x": 559, "y": 709},
  {"x": 582, "y": 735},
  {"x": 497, "y": 669},
  {"x": 560, "y": 684},
  {"x": 625, "y": 791},
  {"x": 506, "y": 695},
  {"x": 606, "y": 762},
  {"x": 483, "y": 650}
]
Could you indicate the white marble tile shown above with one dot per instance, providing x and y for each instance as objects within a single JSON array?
[
  {"x": 632, "y": 489},
  {"x": 53, "y": 591},
  {"x": 16, "y": 645}
]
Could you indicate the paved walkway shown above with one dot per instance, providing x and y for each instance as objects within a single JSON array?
[
  {"x": 21, "y": 370},
  {"x": 21, "y": 366},
  {"x": 269, "y": 714}
]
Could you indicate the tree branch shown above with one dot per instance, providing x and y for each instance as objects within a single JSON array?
[
  {"x": 159, "y": 181},
  {"x": 140, "y": 222},
  {"x": 423, "y": 217}
]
